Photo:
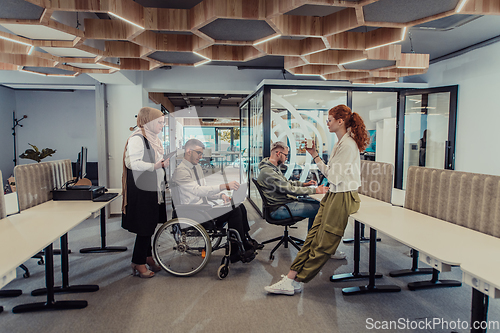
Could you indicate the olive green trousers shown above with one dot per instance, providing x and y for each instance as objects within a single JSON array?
[{"x": 325, "y": 234}]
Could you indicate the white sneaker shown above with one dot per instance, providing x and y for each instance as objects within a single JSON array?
[
  {"x": 297, "y": 286},
  {"x": 283, "y": 286},
  {"x": 338, "y": 255}
]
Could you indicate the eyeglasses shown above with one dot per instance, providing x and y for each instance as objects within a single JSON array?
[
  {"x": 198, "y": 152},
  {"x": 287, "y": 156}
]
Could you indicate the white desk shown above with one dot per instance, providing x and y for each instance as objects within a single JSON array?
[
  {"x": 23, "y": 235},
  {"x": 95, "y": 208}
]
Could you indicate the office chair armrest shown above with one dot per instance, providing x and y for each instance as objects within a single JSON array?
[{"x": 273, "y": 208}]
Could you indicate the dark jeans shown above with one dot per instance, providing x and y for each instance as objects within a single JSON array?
[
  {"x": 305, "y": 207},
  {"x": 142, "y": 250}
]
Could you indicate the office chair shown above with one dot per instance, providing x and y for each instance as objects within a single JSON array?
[{"x": 287, "y": 223}]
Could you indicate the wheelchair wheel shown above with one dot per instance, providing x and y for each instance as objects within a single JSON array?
[
  {"x": 182, "y": 247},
  {"x": 223, "y": 271}
]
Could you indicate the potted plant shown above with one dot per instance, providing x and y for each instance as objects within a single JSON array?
[{"x": 37, "y": 155}]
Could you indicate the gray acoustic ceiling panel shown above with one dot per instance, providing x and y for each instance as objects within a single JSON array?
[
  {"x": 238, "y": 30},
  {"x": 176, "y": 4},
  {"x": 314, "y": 10},
  {"x": 449, "y": 22},
  {"x": 293, "y": 37},
  {"x": 49, "y": 70},
  {"x": 271, "y": 62},
  {"x": 176, "y": 57},
  {"x": 19, "y": 9},
  {"x": 403, "y": 11},
  {"x": 370, "y": 64},
  {"x": 172, "y": 32},
  {"x": 363, "y": 29}
]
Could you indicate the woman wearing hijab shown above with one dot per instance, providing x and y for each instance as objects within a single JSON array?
[{"x": 143, "y": 188}]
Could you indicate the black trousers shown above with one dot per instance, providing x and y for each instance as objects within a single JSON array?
[
  {"x": 237, "y": 219},
  {"x": 142, "y": 250}
]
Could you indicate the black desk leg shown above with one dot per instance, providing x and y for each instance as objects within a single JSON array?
[
  {"x": 103, "y": 247},
  {"x": 434, "y": 282},
  {"x": 362, "y": 238},
  {"x": 414, "y": 270},
  {"x": 371, "y": 287},
  {"x": 66, "y": 288},
  {"x": 51, "y": 304},
  {"x": 357, "y": 251},
  {"x": 479, "y": 312}
]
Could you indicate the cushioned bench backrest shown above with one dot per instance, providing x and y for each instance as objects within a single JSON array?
[
  {"x": 376, "y": 180},
  {"x": 35, "y": 181},
  {"x": 468, "y": 199},
  {"x": 3, "y": 211}
]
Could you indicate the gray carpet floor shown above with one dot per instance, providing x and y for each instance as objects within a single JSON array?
[{"x": 203, "y": 303}]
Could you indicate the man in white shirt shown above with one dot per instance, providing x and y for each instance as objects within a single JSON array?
[{"x": 193, "y": 189}]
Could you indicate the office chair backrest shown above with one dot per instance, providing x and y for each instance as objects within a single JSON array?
[
  {"x": 468, "y": 199},
  {"x": 3, "y": 211},
  {"x": 376, "y": 180},
  {"x": 268, "y": 209},
  {"x": 36, "y": 181}
]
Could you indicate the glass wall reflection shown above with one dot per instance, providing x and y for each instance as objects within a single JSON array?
[
  {"x": 297, "y": 115},
  {"x": 378, "y": 110}
]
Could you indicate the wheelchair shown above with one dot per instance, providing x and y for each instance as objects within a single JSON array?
[{"x": 183, "y": 245}]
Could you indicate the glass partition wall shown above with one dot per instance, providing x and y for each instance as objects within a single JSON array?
[
  {"x": 297, "y": 115},
  {"x": 294, "y": 113}
]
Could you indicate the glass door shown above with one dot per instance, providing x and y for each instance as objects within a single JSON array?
[{"x": 429, "y": 129}]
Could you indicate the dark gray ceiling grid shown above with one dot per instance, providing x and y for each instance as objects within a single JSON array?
[
  {"x": 403, "y": 11},
  {"x": 240, "y": 30},
  {"x": 176, "y": 57},
  {"x": 19, "y": 9}
]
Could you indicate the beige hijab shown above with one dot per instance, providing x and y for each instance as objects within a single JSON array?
[{"x": 145, "y": 127}]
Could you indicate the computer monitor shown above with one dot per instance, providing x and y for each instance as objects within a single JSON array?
[{"x": 81, "y": 164}]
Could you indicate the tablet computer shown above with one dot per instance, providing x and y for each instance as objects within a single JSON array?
[{"x": 169, "y": 155}]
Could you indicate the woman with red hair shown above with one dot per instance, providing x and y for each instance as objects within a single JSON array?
[{"x": 342, "y": 200}]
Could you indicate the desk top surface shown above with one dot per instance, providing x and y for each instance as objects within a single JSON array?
[
  {"x": 23, "y": 235},
  {"x": 72, "y": 205}
]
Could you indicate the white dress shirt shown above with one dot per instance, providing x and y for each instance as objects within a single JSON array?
[
  {"x": 343, "y": 168},
  {"x": 190, "y": 191},
  {"x": 134, "y": 162}
]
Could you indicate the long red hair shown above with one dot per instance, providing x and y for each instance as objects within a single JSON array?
[{"x": 355, "y": 122}]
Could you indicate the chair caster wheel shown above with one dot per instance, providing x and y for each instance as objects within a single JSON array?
[
  {"x": 40, "y": 262},
  {"x": 26, "y": 275},
  {"x": 271, "y": 257},
  {"x": 223, "y": 271}
]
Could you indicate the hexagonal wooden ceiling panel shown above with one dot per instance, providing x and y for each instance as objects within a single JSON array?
[{"x": 355, "y": 40}]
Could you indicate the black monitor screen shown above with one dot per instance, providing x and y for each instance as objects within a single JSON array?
[{"x": 83, "y": 161}]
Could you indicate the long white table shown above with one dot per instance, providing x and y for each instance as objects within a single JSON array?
[
  {"x": 96, "y": 209},
  {"x": 24, "y": 235},
  {"x": 441, "y": 244},
  {"x": 57, "y": 218}
]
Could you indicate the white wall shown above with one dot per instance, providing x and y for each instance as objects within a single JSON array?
[
  {"x": 477, "y": 74},
  {"x": 7, "y": 105},
  {"x": 124, "y": 102},
  {"x": 64, "y": 121}
]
